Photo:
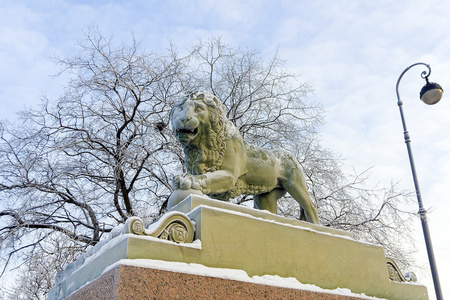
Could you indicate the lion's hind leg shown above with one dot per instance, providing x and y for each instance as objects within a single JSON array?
[
  {"x": 268, "y": 201},
  {"x": 295, "y": 185}
]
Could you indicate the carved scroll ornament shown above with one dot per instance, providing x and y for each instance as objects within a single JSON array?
[
  {"x": 173, "y": 226},
  {"x": 396, "y": 275}
]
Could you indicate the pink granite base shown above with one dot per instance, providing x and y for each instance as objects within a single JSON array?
[{"x": 129, "y": 282}]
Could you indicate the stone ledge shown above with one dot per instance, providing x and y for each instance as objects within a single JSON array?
[
  {"x": 195, "y": 201},
  {"x": 130, "y": 282}
]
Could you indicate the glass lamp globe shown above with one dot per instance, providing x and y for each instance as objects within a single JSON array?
[{"x": 431, "y": 93}]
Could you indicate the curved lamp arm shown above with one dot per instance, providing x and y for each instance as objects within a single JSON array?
[{"x": 424, "y": 75}]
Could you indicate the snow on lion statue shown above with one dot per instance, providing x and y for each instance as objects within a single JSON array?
[{"x": 222, "y": 165}]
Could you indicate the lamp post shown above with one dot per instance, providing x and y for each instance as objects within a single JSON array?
[{"x": 430, "y": 94}]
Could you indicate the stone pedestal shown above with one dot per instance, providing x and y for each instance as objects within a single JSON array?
[
  {"x": 240, "y": 238},
  {"x": 128, "y": 282}
]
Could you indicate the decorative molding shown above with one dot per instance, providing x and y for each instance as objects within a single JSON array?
[
  {"x": 173, "y": 226},
  {"x": 396, "y": 275}
]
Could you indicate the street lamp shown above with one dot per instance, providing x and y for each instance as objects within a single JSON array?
[{"x": 430, "y": 94}]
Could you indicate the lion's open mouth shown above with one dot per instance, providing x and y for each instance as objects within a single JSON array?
[{"x": 186, "y": 131}]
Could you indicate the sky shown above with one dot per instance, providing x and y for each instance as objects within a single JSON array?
[{"x": 351, "y": 52}]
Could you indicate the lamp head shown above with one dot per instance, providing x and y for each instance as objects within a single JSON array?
[{"x": 431, "y": 93}]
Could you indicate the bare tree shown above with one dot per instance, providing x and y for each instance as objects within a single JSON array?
[
  {"x": 38, "y": 270},
  {"x": 80, "y": 165}
]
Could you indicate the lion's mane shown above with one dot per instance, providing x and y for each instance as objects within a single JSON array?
[{"x": 208, "y": 155}]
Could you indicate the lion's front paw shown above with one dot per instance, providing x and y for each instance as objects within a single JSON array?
[
  {"x": 176, "y": 182},
  {"x": 188, "y": 182}
]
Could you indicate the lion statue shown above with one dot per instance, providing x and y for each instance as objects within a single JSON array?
[{"x": 222, "y": 165}]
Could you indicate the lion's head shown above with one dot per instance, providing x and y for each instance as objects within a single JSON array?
[{"x": 200, "y": 125}]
